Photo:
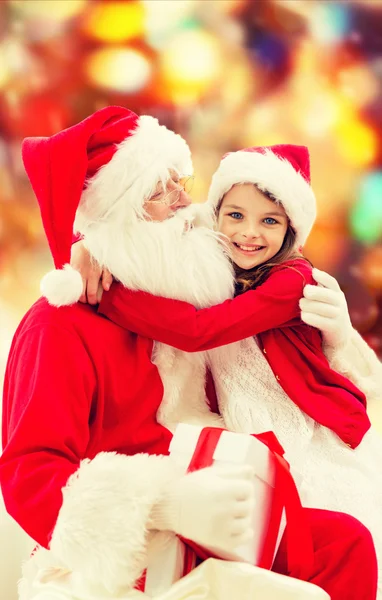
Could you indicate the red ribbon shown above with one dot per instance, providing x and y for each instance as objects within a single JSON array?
[
  {"x": 189, "y": 560},
  {"x": 299, "y": 541}
]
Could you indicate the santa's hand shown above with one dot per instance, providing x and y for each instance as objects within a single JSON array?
[
  {"x": 212, "y": 507},
  {"x": 324, "y": 306},
  {"x": 95, "y": 279}
]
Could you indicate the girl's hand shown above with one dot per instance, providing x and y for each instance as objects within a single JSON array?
[
  {"x": 95, "y": 279},
  {"x": 324, "y": 306}
]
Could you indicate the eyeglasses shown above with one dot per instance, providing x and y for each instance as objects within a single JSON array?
[{"x": 185, "y": 185}]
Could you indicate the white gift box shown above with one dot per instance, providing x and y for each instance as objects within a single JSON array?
[
  {"x": 170, "y": 560},
  {"x": 240, "y": 449}
]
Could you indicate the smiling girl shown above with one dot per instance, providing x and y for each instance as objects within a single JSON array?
[{"x": 258, "y": 232}]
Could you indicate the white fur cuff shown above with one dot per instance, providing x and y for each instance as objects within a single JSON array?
[
  {"x": 357, "y": 361},
  {"x": 101, "y": 531}
]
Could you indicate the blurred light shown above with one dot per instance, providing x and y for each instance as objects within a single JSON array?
[
  {"x": 165, "y": 16},
  {"x": 305, "y": 61},
  {"x": 296, "y": 6},
  {"x": 362, "y": 304},
  {"x": 260, "y": 127},
  {"x": 236, "y": 89},
  {"x": 15, "y": 60},
  {"x": 229, "y": 6},
  {"x": 371, "y": 269},
  {"x": 377, "y": 4},
  {"x": 335, "y": 242},
  {"x": 366, "y": 216},
  {"x": 321, "y": 113},
  {"x": 54, "y": 10},
  {"x": 3, "y": 152},
  {"x": 120, "y": 69},
  {"x": 190, "y": 65},
  {"x": 363, "y": 310},
  {"x": 9, "y": 319},
  {"x": 115, "y": 21},
  {"x": 329, "y": 22},
  {"x": 270, "y": 51},
  {"x": 359, "y": 84},
  {"x": 4, "y": 70},
  {"x": 192, "y": 56},
  {"x": 356, "y": 141},
  {"x": 36, "y": 114}
]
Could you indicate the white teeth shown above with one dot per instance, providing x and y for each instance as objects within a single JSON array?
[{"x": 249, "y": 248}]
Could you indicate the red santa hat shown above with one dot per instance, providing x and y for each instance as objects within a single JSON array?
[
  {"x": 282, "y": 170},
  {"x": 106, "y": 165}
]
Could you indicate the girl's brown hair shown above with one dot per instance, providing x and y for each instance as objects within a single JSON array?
[{"x": 250, "y": 279}]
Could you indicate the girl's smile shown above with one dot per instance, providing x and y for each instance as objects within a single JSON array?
[{"x": 248, "y": 249}]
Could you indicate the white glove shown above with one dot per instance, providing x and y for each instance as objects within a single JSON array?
[
  {"x": 213, "y": 507},
  {"x": 324, "y": 306}
]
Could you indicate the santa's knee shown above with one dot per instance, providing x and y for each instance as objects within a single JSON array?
[{"x": 358, "y": 537}]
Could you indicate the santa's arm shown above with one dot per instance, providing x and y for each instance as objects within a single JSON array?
[
  {"x": 179, "y": 324},
  {"x": 91, "y": 514},
  {"x": 325, "y": 307},
  {"x": 357, "y": 361}
]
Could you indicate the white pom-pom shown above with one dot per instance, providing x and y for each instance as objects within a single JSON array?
[{"x": 62, "y": 287}]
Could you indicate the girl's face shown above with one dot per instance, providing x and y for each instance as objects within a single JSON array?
[{"x": 254, "y": 225}]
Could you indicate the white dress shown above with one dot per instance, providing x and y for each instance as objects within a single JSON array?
[{"x": 329, "y": 474}]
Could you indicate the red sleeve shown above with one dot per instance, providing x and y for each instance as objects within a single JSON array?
[
  {"x": 47, "y": 395},
  {"x": 272, "y": 305}
]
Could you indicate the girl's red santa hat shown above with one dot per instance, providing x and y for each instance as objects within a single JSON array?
[
  {"x": 100, "y": 170},
  {"x": 283, "y": 171}
]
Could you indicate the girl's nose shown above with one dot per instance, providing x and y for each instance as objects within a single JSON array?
[{"x": 251, "y": 232}]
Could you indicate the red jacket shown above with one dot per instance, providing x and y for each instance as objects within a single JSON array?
[
  {"x": 293, "y": 349},
  {"x": 76, "y": 384}
]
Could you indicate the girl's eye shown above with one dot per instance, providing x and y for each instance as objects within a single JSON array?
[
  {"x": 270, "y": 221},
  {"x": 236, "y": 215}
]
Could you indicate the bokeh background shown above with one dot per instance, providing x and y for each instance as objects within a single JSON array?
[{"x": 223, "y": 73}]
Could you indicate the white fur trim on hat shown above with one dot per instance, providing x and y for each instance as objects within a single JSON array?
[
  {"x": 273, "y": 174},
  {"x": 118, "y": 190},
  {"x": 62, "y": 287}
]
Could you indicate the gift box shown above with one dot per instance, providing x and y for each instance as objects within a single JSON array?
[
  {"x": 276, "y": 498},
  {"x": 224, "y": 580},
  {"x": 171, "y": 560}
]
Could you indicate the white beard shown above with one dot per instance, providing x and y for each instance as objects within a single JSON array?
[{"x": 184, "y": 259}]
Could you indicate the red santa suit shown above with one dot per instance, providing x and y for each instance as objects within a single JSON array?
[
  {"x": 81, "y": 394},
  {"x": 83, "y": 460}
]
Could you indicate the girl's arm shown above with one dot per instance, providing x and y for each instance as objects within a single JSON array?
[
  {"x": 94, "y": 277},
  {"x": 274, "y": 304}
]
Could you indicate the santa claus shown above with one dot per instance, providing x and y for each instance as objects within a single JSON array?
[{"x": 85, "y": 470}]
